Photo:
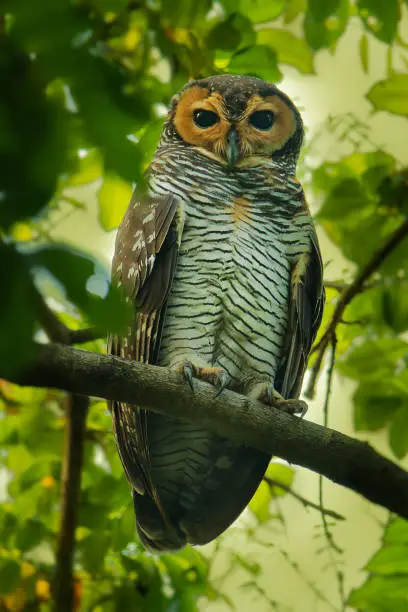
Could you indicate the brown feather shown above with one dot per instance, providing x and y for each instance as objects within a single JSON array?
[{"x": 143, "y": 265}]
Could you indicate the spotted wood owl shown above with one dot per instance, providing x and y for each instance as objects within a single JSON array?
[{"x": 222, "y": 265}]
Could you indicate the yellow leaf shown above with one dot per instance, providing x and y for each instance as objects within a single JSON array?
[
  {"x": 27, "y": 569},
  {"x": 114, "y": 196},
  {"x": 43, "y": 589},
  {"x": 22, "y": 232},
  {"x": 15, "y": 602},
  {"x": 132, "y": 38},
  {"x": 48, "y": 482}
]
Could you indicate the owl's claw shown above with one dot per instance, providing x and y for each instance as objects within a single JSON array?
[
  {"x": 188, "y": 371},
  {"x": 268, "y": 395},
  {"x": 221, "y": 382},
  {"x": 214, "y": 375}
]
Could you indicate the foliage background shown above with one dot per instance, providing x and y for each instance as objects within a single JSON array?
[{"x": 76, "y": 78}]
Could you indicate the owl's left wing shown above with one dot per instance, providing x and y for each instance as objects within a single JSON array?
[
  {"x": 305, "y": 314},
  {"x": 143, "y": 266}
]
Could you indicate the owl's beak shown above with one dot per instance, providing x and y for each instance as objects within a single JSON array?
[{"x": 232, "y": 148}]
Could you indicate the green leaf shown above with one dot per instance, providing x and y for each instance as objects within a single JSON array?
[
  {"x": 320, "y": 34},
  {"x": 184, "y": 13},
  {"x": 395, "y": 306},
  {"x": 282, "y": 474},
  {"x": 398, "y": 434},
  {"x": 259, "y": 504},
  {"x": 111, "y": 5},
  {"x": 113, "y": 198},
  {"x": 74, "y": 270},
  {"x": 389, "y": 560},
  {"x": 258, "y": 11},
  {"x": 363, "y": 48},
  {"x": 381, "y": 594},
  {"x": 346, "y": 198},
  {"x": 87, "y": 168},
  {"x": 380, "y": 18},
  {"x": 375, "y": 405},
  {"x": 294, "y": 8},
  {"x": 32, "y": 142},
  {"x": 148, "y": 140},
  {"x": 234, "y": 33},
  {"x": 257, "y": 61},
  {"x": 289, "y": 48},
  {"x": 374, "y": 358},
  {"x": 92, "y": 550},
  {"x": 390, "y": 95},
  {"x": 397, "y": 532},
  {"x": 9, "y": 576},
  {"x": 16, "y": 320},
  {"x": 321, "y": 10},
  {"x": 29, "y": 535}
]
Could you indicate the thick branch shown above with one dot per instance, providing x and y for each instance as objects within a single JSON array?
[
  {"x": 346, "y": 297},
  {"x": 344, "y": 460}
]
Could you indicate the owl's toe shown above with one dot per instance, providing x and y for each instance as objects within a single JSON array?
[
  {"x": 213, "y": 375},
  {"x": 267, "y": 394},
  {"x": 188, "y": 372}
]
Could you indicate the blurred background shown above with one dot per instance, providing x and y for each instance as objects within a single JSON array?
[{"x": 77, "y": 79}]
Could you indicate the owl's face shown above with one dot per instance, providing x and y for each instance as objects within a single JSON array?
[{"x": 237, "y": 121}]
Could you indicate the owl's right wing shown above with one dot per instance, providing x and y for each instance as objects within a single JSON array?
[{"x": 143, "y": 266}]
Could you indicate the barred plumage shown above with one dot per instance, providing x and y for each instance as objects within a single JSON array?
[{"x": 223, "y": 264}]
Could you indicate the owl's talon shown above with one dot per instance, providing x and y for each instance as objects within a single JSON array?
[
  {"x": 188, "y": 375},
  {"x": 291, "y": 406},
  {"x": 266, "y": 394},
  {"x": 221, "y": 382}
]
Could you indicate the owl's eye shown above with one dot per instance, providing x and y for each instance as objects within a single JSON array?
[
  {"x": 262, "y": 120},
  {"x": 205, "y": 118}
]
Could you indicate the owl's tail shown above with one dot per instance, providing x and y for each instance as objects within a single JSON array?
[{"x": 155, "y": 532}]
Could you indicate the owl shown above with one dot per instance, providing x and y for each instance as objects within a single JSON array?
[{"x": 221, "y": 264}]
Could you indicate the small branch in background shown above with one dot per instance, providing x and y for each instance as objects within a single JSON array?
[
  {"x": 305, "y": 502},
  {"x": 326, "y": 529},
  {"x": 56, "y": 330},
  {"x": 63, "y": 587},
  {"x": 333, "y": 546},
  {"x": 340, "y": 286},
  {"x": 347, "y": 296},
  {"x": 318, "y": 594}
]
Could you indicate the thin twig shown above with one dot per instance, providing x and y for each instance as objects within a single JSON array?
[
  {"x": 333, "y": 547},
  {"x": 305, "y": 502},
  {"x": 56, "y": 330},
  {"x": 347, "y": 296},
  {"x": 326, "y": 529},
  {"x": 309, "y": 583}
]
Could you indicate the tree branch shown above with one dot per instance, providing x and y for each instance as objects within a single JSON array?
[
  {"x": 346, "y": 297},
  {"x": 75, "y": 430},
  {"x": 71, "y": 486},
  {"x": 346, "y": 461},
  {"x": 56, "y": 330}
]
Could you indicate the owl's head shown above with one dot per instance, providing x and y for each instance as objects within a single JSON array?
[{"x": 237, "y": 120}]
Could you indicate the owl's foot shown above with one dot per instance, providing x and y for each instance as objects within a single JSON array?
[
  {"x": 215, "y": 376},
  {"x": 266, "y": 394}
]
